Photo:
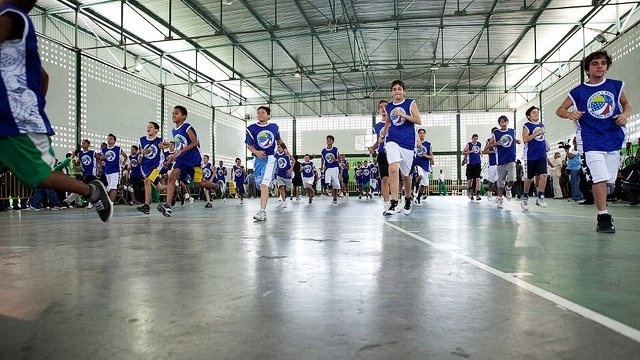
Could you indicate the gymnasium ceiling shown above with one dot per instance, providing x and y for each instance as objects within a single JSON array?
[{"x": 274, "y": 50}]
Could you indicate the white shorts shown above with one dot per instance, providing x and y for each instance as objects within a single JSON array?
[
  {"x": 492, "y": 175},
  {"x": 112, "y": 181},
  {"x": 332, "y": 177},
  {"x": 424, "y": 181},
  {"x": 307, "y": 180},
  {"x": 397, "y": 154},
  {"x": 603, "y": 165},
  {"x": 264, "y": 170}
]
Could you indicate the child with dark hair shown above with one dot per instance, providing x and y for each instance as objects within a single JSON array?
[{"x": 600, "y": 111}]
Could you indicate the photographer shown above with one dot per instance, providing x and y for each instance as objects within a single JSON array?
[
  {"x": 573, "y": 166},
  {"x": 556, "y": 173}
]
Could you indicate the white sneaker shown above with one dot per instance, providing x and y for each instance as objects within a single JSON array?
[
  {"x": 31, "y": 208},
  {"x": 525, "y": 204},
  {"x": 284, "y": 204},
  {"x": 500, "y": 206},
  {"x": 540, "y": 202},
  {"x": 89, "y": 206},
  {"x": 297, "y": 198},
  {"x": 56, "y": 208},
  {"x": 489, "y": 196},
  {"x": 261, "y": 215},
  {"x": 507, "y": 193},
  {"x": 334, "y": 203},
  {"x": 191, "y": 200}
]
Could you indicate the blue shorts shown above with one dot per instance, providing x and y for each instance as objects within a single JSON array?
[
  {"x": 239, "y": 187},
  {"x": 536, "y": 167},
  {"x": 264, "y": 170}
]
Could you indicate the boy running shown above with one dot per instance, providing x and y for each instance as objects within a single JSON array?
[
  {"x": 534, "y": 156},
  {"x": 331, "y": 166},
  {"x": 600, "y": 111}
]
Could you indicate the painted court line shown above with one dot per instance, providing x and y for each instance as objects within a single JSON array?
[{"x": 612, "y": 324}]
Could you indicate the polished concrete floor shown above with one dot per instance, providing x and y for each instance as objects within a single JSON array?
[{"x": 453, "y": 280}]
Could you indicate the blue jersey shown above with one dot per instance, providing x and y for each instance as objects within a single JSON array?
[
  {"x": 135, "y": 168},
  {"x": 475, "y": 155},
  {"x": 377, "y": 128},
  {"x": 88, "y": 160},
  {"x": 21, "y": 98},
  {"x": 401, "y": 131},
  {"x": 307, "y": 169},
  {"x": 207, "y": 172},
  {"x": 112, "y": 161},
  {"x": 536, "y": 148},
  {"x": 220, "y": 174},
  {"x": 330, "y": 157},
  {"x": 600, "y": 103},
  {"x": 152, "y": 156},
  {"x": 358, "y": 174},
  {"x": 343, "y": 165},
  {"x": 366, "y": 174},
  {"x": 422, "y": 161},
  {"x": 263, "y": 137},
  {"x": 238, "y": 174},
  {"x": 283, "y": 164},
  {"x": 181, "y": 138},
  {"x": 492, "y": 157},
  {"x": 374, "y": 172},
  {"x": 506, "y": 148}
]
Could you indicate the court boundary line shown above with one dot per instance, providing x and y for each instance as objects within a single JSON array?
[{"x": 616, "y": 326}]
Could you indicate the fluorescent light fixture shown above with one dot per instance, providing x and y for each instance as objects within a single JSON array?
[{"x": 434, "y": 66}]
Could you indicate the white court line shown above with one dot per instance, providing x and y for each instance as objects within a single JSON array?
[{"x": 612, "y": 324}]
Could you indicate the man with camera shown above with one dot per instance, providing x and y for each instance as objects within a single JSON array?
[{"x": 556, "y": 173}]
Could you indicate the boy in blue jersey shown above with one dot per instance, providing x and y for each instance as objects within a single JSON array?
[
  {"x": 331, "y": 165},
  {"x": 239, "y": 175},
  {"x": 534, "y": 156},
  {"x": 88, "y": 159},
  {"x": 366, "y": 179},
  {"x": 152, "y": 157},
  {"x": 308, "y": 176},
  {"x": 399, "y": 144},
  {"x": 187, "y": 158},
  {"x": 25, "y": 130},
  {"x": 357, "y": 171},
  {"x": 424, "y": 155},
  {"x": 114, "y": 158},
  {"x": 344, "y": 178},
  {"x": 136, "y": 179},
  {"x": 375, "y": 177},
  {"x": 221, "y": 178},
  {"x": 492, "y": 169},
  {"x": 380, "y": 129},
  {"x": 283, "y": 174},
  {"x": 600, "y": 110},
  {"x": 504, "y": 139},
  {"x": 262, "y": 138},
  {"x": 474, "y": 165},
  {"x": 207, "y": 175}
]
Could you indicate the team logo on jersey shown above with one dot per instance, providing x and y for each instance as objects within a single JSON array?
[
  {"x": 110, "y": 155},
  {"x": 475, "y": 149},
  {"x": 374, "y": 171},
  {"x": 506, "y": 140},
  {"x": 181, "y": 141},
  {"x": 282, "y": 163},
  {"x": 358, "y": 172},
  {"x": 220, "y": 172},
  {"x": 395, "y": 117},
  {"x": 365, "y": 172},
  {"x": 540, "y": 137},
  {"x": 329, "y": 158},
  {"x": 134, "y": 162},
  {"x": 206, "y": 172},
  {"x": 419, "y": 151},
  {"x": 86, "y": 160},
  {"x": 601, "y": 104},
  {"x": 265, "y": 139},
  {"x": 150, "y": 151},
  {"x": 238, "y": 173},
  {"x": 307, "y": 169}
]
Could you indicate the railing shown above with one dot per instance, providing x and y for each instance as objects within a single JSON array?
[{"x": 12, "y": 189}]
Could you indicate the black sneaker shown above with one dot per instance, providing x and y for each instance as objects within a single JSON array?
[
  {"x": 208, "y": 205},
  {"x": 100, "y": 200},
  {"x": 605, "y": 224},
  {"x": 310, "y": 199},
  {"x": 392, "y": 208},
  {"x": 182, "y": 199},
  {"x": 407, "y": 206},
  {"x": 144, "y": 208},
  {"x": 165, "y": 209}
]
